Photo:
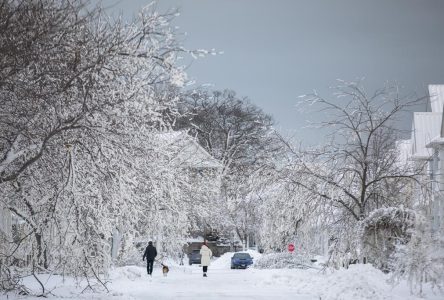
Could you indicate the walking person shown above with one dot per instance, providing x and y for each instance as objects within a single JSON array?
[
  {"x": 206, "y": 255},
  {"x": 150, "y": 254}
]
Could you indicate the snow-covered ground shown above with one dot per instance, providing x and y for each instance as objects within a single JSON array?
[{"x": 186, "y": 282}]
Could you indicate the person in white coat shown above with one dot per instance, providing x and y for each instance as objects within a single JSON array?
[{"x": 205, "y": 257}]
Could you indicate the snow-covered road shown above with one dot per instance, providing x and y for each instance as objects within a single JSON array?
[{"x": 188, "y": 283}]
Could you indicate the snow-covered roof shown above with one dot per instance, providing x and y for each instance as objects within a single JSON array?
[
  {"x": 188, "y": 153},
  {"x": 426, "y": 126},
  {"x": 435, "y": 142},
  {"x": 193, "y": 155},
  {"x": 436, "y": 92},
  {"x": 198, "y": 239}
]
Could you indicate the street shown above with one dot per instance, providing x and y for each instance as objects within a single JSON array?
[{"x": 188, "y": 283}]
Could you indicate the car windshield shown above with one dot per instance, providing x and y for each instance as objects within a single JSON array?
[{"x": 242, "y": 255}]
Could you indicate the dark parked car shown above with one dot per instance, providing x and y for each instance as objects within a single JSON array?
[
  {"x": 241, "y": 260},
  {"x": 194, "y": 257}
]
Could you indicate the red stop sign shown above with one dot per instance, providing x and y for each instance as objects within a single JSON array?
[{"x": 291, "y": 247}]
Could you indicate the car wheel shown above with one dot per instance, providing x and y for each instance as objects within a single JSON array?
[{"x": 232, "y": 267}]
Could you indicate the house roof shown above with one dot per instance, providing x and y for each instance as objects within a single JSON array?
[
  {"x": 426, "y": 126},
  {"x": 436, "y": 92},
  {"x": 186, "y": 150},
  {"x": 436, "y": 142}
]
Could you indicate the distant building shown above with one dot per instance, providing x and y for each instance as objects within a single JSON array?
[{"x": 185, "y": 153}]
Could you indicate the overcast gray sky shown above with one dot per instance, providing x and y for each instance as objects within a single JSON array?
[{"x": 277, "y": 50}]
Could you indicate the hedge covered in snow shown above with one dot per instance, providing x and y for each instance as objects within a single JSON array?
[{"x": 283, "y": 260}]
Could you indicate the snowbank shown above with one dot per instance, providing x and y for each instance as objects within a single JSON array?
[
  {"x": 128, "y": 273},
  {"x": 359, "y": 282}
]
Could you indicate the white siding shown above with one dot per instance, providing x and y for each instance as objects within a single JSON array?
[
  {"x": 426, "y": 127},
  {"x": 436, "y": 92}
]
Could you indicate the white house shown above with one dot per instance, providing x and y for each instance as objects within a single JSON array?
[
  {"x": 436, "y": 163},
  {"x": 427, "y": 148}
]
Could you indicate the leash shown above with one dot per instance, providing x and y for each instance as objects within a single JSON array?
[{"x": 161, "y": 263}]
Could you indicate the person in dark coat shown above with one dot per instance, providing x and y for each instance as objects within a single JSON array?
[{"x": 150, "y": 254}]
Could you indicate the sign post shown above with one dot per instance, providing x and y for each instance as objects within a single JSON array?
[{"x": 290, "y": 247}]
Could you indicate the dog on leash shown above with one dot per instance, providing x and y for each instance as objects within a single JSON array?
[{"x": 165, "y": 270}]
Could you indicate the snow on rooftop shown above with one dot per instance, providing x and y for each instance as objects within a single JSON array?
[
  {"x": 436, "y": 141},
  {"x": 436, "y": 92},
  {"x": 426, "y": 126},
  {"x": 197, "y": 239},
  {"x": 187, "y": 151}
]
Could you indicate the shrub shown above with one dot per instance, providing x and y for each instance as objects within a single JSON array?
[{"x": 283, "y": 260}]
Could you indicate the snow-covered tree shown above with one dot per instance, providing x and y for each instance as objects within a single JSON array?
[
  {"x": 242, "y": 138},
  {"x": 358, "y": 170},
  {"x": 382, "y": 231},
  {"x": 82, "y": 98},
  {"x": 420, "y": 258}
]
